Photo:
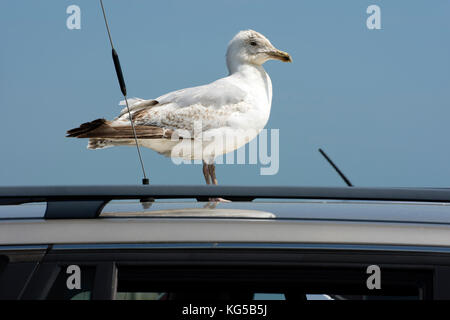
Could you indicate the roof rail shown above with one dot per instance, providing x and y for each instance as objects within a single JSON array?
[{"x": 72, "y": 202}]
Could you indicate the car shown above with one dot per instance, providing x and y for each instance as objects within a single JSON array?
[{"x": 268, "y": 243}]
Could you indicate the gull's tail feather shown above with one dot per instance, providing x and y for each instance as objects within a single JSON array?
[
  {"x": 89, "y": 129},
  {"x": 103, "y": 133}
]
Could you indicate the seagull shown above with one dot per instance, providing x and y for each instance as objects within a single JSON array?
[{"x": 199, "y": 123}]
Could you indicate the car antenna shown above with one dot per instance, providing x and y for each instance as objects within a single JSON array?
[
  {"x": 335, "y": 168},
  {"x": 123, "y": 88}
]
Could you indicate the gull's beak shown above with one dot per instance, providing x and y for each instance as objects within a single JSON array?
[{"x": 280, "y": 55}]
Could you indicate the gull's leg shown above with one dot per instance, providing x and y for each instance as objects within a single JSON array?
[
  {"x": 212, "y": 203},
  {"x": 206, "y": 172},
  {"x": 212, "y": 174}
]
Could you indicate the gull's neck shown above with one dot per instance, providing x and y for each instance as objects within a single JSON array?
[
  {"x": 246, "y": 69},
  {"x": 243, "y": 67},
  {"x": 256, "y": 77}
]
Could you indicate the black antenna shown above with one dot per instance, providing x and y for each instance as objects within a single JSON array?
[
  {"x": 336, "y": 168},
  {"x": 123, "y": 88}
]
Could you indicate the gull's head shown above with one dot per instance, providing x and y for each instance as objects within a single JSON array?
[{"x": 251, "y": 47}]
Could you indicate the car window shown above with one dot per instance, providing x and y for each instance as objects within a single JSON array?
[{"x": 240, "y": 283}]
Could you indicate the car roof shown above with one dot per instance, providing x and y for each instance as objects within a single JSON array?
[{"x": 419, "y": 217}]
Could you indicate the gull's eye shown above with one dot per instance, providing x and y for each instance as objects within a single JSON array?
[{"x": 253, "y": 43}]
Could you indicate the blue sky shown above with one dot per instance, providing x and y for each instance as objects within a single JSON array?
[{"x": 377, "y": 101}]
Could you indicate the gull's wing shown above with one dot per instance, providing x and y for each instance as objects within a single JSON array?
[
  {"x": 211, "y": 104},
  {"x": 136, "y": 104},
  {"x": 218, "y": 93}
]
